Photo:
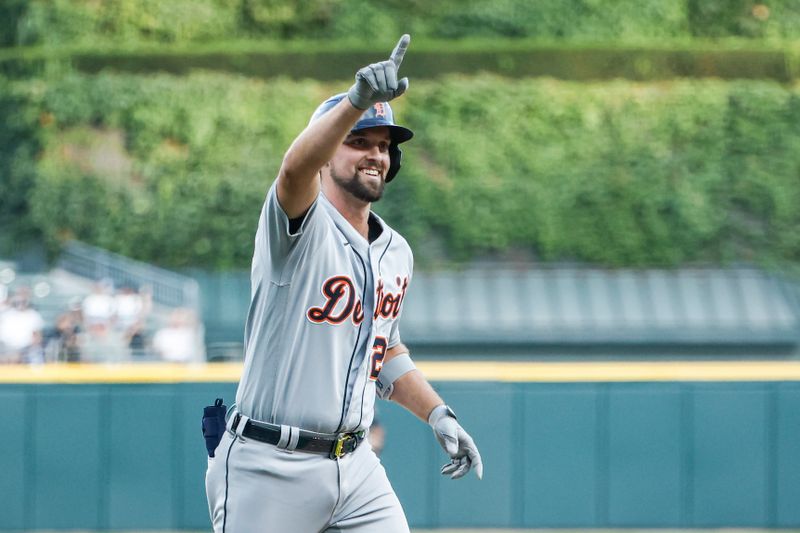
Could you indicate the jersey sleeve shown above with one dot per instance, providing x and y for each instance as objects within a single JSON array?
[
  {"x": 276, "y": 242},
  {"x": 394, "y": 335}
]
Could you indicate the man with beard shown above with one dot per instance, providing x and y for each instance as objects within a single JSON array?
[{"x": 329, "y": 278}]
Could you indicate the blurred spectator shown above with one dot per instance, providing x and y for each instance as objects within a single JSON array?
[
  {"x": 178, "y": 342},
  {"x": 135, "y": 337},
  {"x": 21, "y": 330},
  {"x": 103, "y": 343},
  {"x": 102, "y": 326},
  {"x": 63, "y": 342},
  {"x": 75, "y": 311},
  {"x": 99, "y": 305},
  {"x": 4, "y": 303},
  {"x": 132, "y": 307}
]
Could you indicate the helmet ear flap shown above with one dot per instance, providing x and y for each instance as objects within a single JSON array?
[{"x": 395, "y": 155}]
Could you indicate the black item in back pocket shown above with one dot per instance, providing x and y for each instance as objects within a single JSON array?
[{"x": 214, "y": 425}]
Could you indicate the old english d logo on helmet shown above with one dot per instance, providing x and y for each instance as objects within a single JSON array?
[{"x": 379, "y": 114}]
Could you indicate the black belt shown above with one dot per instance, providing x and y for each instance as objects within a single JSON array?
[{"x": 335, "y": 446}]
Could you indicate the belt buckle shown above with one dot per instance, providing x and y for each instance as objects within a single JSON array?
[{"x": 338, "y": 450}]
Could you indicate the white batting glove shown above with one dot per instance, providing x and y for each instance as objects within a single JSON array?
[
  {"x": 456, "y": 442},
  {"x": 378, "y": 82}
]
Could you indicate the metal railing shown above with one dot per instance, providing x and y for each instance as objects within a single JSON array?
[{"x": 168, "y": 288}]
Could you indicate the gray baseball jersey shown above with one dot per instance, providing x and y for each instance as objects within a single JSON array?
[{"x": 324, "y": 309}]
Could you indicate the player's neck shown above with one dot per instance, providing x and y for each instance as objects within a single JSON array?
[{"x": 355, "y": 211}]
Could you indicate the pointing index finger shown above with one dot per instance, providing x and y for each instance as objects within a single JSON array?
[{"x": 400, "y": 50}]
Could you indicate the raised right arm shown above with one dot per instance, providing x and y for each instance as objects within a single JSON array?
[{"x": 298, "y": 178}]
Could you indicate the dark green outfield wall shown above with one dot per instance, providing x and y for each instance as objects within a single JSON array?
[{"x": 556, "y": 455}]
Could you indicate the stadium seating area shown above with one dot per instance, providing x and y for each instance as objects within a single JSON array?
[{"x": 60, "y": 316}]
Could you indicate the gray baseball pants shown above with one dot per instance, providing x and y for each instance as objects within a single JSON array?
[{"x": 256, "y": 487}]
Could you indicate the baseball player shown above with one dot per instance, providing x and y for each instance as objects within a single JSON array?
[{"x": 329, "y": 278}]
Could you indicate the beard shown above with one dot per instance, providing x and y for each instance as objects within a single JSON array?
[{"x": 366, "y": 192}]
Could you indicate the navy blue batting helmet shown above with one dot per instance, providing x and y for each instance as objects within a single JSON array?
[{"x": 379, "y": 114}]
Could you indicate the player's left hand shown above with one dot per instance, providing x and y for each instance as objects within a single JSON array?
[{"x": 456, "y": 442}]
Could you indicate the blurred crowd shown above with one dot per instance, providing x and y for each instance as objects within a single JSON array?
[{"x": 106, "y": 325}]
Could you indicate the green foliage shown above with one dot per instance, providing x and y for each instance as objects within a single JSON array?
[
  {"x": 286, "y": 19},
  {"x": 174, "y": 170},
  {"x": 89, "y": 22},
  {"x": 11, "y": 11},
  {"x": 19, "y": 145},
  {"x": 772, "y": 20},
  {"x": 615, "y": 174},
  {"x": 168, "y": 170},
  {"x": 430, "y": 60},
  {"x": 763, "y": 131},
  {"x": 581, "y": 20}
]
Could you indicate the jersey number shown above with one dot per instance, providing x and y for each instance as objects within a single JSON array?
[{"x": 378, "y": 353}]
